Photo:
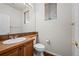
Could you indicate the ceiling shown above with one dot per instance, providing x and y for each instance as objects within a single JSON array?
[{"x": 19, "y": 6}]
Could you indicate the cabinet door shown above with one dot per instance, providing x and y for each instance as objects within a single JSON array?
[
  {"x": 28, "y": 49},
  {"x": 21, "y": 51},
  {"x": 13, "y": 52}
]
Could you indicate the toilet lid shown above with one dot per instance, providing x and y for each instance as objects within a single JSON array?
[{"x": 38, "y": 45}]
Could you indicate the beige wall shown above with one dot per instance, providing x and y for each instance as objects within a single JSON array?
[{"x": 58, "y": 31}]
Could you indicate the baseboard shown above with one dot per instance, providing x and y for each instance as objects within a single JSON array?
[
  {"x": 48, "y": 54},
  {"x": 51, "y": 54}
]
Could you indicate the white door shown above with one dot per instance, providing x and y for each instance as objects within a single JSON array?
[
  {"x": 4, "y": 24},
  {"x": 63, "y": 42},
  {"x": 75, "y": 28}
]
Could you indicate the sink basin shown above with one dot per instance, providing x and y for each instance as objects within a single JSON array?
[{"x": 12, "y": 41}]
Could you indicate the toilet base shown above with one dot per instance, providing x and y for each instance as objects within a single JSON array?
[{"x": 37, "y": 53}]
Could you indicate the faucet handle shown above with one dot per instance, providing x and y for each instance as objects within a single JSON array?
[
  {"x": 10, "y": 37},
  {"x": 16, "y": 36}
]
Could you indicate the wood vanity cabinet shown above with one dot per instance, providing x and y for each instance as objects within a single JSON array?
[
  {"x": 28, "y": 49},
  {"x": 12, "y": 52},
  {"x": 25, "y": 49}
]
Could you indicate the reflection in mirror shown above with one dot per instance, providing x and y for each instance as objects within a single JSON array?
[
  {"x": 4, "y": 24},
  {"x": 29, "y": 19},
  {"x": 26, "y": 17},
  {"x": 16, "y": 18}
]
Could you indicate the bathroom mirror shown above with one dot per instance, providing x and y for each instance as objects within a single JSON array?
[{"x": 16, "y": 18}]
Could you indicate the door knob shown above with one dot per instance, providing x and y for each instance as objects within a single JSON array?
[
  {"x": 73, "y": 24},
  {"x": 75, "y": 43}
]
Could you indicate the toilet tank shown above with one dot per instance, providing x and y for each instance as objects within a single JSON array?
[
  {"x": 35, "y": 39},
  {"x": 34, "y": 42}
]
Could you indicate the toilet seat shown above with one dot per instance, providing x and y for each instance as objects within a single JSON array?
[{"x": 39, "y": 47}]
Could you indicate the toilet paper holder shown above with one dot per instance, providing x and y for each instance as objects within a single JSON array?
[{"x": 47, "y": 41}]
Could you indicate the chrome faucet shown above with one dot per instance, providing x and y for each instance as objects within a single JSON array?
[{"x": 10, "y": 36}]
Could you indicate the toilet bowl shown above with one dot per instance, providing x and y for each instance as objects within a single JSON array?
[{"x": 39, "y": 48}]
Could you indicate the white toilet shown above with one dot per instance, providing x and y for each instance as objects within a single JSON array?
[{"x": 39, "y": 48}]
